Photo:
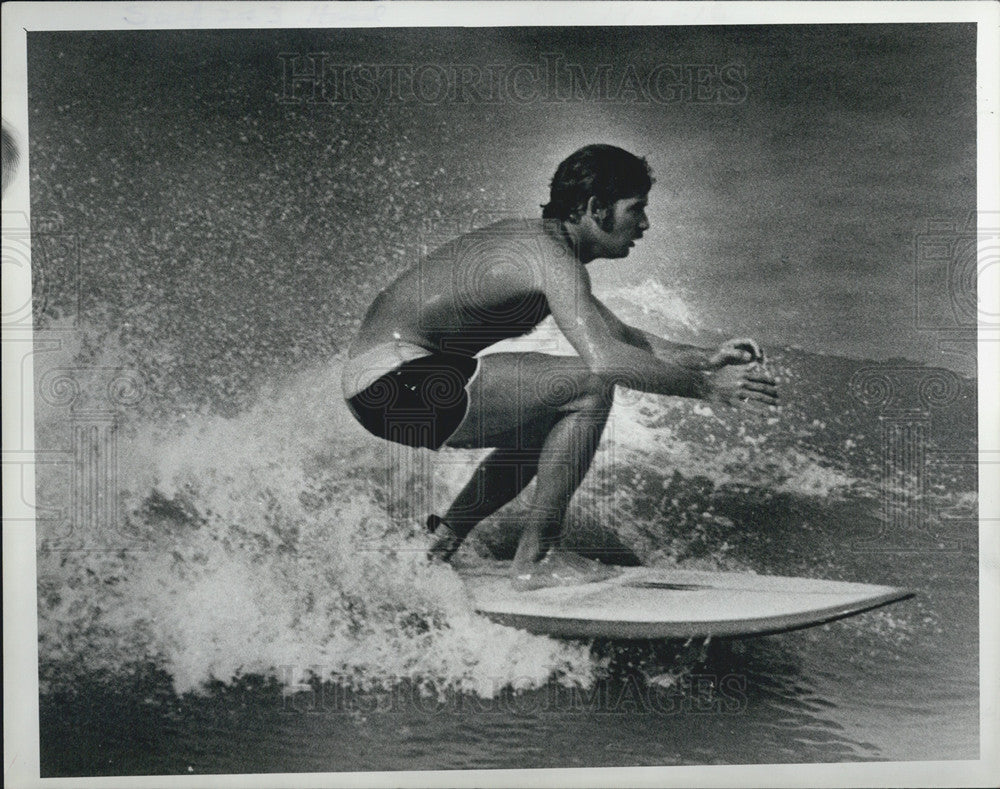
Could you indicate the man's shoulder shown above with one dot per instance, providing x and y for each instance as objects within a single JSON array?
[
  {"x": 528, "y": 237},
  {"x": 509, "y": 227}
]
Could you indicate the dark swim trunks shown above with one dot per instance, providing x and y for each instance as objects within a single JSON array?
[{"x": 421, "y": 403}]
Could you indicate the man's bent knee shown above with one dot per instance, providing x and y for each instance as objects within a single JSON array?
[
  {"x": 565, "y": 384},
  {"x": 596, "y": 394}
]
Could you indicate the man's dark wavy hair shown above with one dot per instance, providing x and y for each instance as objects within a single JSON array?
[{"x": 606, "y": 172}]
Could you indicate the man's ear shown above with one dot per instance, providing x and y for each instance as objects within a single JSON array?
[
  {"x": 600, "y": 213},
  {"x": 596, "y": 209}
]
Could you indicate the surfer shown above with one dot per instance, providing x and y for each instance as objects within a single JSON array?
[{"x": 413, "y": 375}]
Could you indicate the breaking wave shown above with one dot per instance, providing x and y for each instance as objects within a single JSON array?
[{"x": 283, "y": 540}]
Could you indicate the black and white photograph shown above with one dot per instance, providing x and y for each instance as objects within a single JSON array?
[{"x": 500, "y": 393}]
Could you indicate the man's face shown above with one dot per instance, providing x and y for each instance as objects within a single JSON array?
[{"x": 625, "y": 224}]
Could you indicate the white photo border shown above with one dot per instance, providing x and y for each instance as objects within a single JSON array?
[{"x": 21, "y": 751}]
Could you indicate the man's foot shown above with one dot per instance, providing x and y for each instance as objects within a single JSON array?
[
  {"x": 561, "y": 568},
  {"x": 445, "y": 541}
]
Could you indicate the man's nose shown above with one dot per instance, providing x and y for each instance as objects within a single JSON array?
[{"x": 644, "y": 223}]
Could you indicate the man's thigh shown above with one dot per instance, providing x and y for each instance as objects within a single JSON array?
[{"x": 517, "y": 398}]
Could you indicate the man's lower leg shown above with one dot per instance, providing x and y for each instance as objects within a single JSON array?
[
  {"x": 566, "y": 456},
  {"x": 497, "y": 481}
]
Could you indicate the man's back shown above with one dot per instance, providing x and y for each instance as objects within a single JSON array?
[{"x": 481, "y": 288}]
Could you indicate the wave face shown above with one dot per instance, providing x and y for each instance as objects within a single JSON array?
[{"x": 283, "y": 540}]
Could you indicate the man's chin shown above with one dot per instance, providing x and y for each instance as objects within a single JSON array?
[{"x": 616, "y": 253}]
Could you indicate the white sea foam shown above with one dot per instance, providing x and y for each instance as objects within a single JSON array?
[
  {"x": 669, "y": 306},
  {"x": 271, "y": 551}
]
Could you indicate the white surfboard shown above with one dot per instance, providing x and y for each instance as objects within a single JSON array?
[{"x": 645, "y": 602}]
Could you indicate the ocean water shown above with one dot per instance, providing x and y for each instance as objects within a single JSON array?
[{"x": 231, "y": 572}]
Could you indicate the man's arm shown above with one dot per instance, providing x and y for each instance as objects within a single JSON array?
[
  {"x": 735, "y": 351},
  {"x": 658, "y": 346},
  {"x": 603, "y": 342}
]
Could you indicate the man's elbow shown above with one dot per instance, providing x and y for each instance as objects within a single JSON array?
[{"x": 638, "y": 340}]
